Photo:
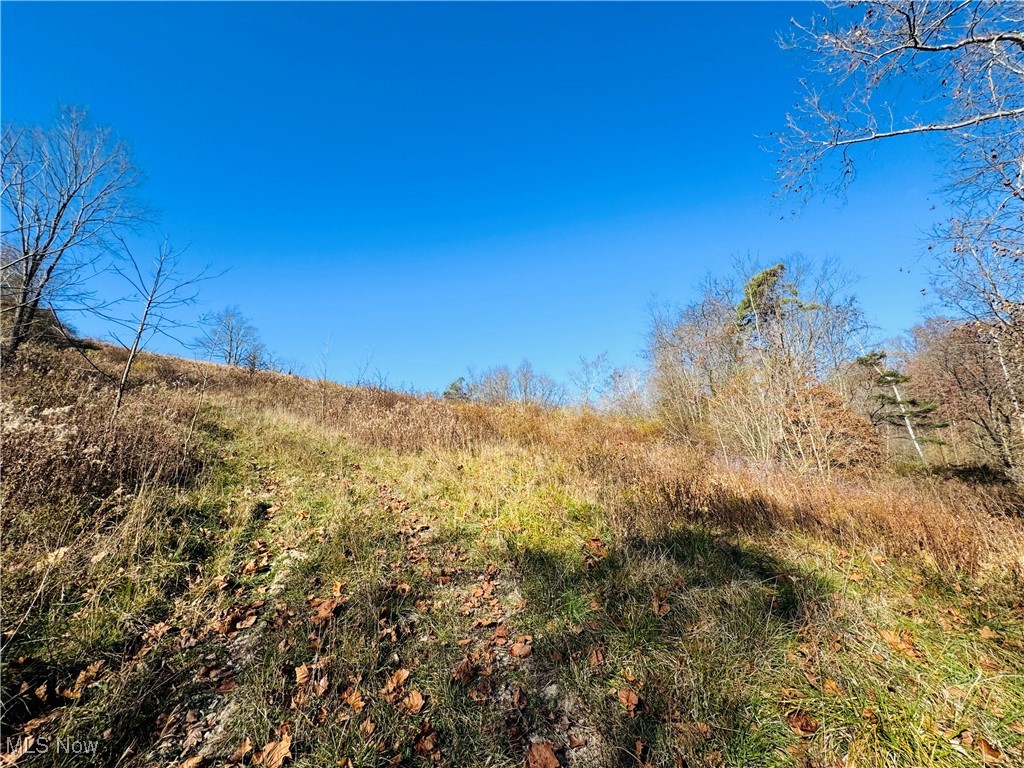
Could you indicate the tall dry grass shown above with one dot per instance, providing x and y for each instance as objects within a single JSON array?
[{"x": 646, "y": 481}]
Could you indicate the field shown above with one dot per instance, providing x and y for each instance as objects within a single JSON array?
[{"x": 259, "y": 569}]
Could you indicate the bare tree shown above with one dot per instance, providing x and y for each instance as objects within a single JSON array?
[
  {"x": 756, "y": 370},
  {"x": 884, "y": 71},
  {"x": 231, "y": 338},
  {"x": 67, "y": 190},
  {"x": 523, "y": 385},
  {"x": 159, "y": 293},
  {"x": 952, "y": 362},
  {"x": 493, "y": 385},
  {"x": 591, "y": 379}
]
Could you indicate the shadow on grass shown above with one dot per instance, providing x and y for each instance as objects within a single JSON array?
[{"x": 694, "y": 627}]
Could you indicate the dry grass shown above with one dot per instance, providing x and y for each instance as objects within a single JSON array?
[{"x": 188, "y": 548}]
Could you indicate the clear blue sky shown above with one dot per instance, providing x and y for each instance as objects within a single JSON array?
[{"x": 450, "y": 185}]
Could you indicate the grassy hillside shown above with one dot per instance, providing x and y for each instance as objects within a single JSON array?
[{"x": 252, "y": 570}]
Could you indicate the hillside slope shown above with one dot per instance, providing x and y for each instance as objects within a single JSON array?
[{"x": 253, "y": 570}]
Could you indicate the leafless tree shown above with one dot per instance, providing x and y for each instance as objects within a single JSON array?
[
  {"x": 756, "y": 370},
  {"x": 952, "y": 71},
  {"x": 231, "y": 338},
  {"x": 493, "y": 385},
  {"x": 523, "y": 385},
  {"x": 883, "y": 70},
  {"x": 952, "y": 363},
  {"x": 158, "y": 293},
  {"x": 67, "y": 191},
  {"x": 591, "y": 379}
]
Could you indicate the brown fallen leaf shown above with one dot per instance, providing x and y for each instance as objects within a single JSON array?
[
  {"x": 802, "y": 724},
  {"x": 831, "y": 687},
  {"x": 988, "y": 752},
  {"x": 659, "y": 606},
  {"x": 576, "y": 743},
  {"x": 274, "y": 753},
  {"x": 426, "y": 744},
  {"x": 87, "y": 676},
  {"x": 541, "y": 755},
  {"x": 191, "y": 762},
  {"x": 301, "y": 674},
  {"x": 901, "y": 641},
  {"x": 596, "y": 657},
  {"x": 413, "y": 703},
  {"x": 597, "y": 548},
  {"x": 324, "y": 610},
  {"x": 394, "y": 684},
  {"x": 987, "y": 633},
  {"x": 464, "y": 671},
  {"x": 522, "y": 647},
  {"x": 354, "y": 699},
  {"x": 243, "y": 749},
  {"x": 629, "y": 700}
]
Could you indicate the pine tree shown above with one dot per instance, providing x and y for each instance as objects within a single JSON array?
[{"x": 894, "y": 408}]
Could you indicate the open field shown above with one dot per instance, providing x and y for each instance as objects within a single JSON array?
[{"x": 247, "y": 573}]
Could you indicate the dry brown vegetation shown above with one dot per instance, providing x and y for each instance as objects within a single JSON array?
[
  {"x": 56, "y": 418},
  {"x": 650, "y": 482},
  {"x": 141, "y": 558}
]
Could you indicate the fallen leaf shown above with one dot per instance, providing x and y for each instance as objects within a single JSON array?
[
  {"x": 243, "y": 749},
  {"x": 901, "y": 641},
  {"x": 274, "y": 753},
  {"x": 522, "y": 647},
  {"x": 659, "y": 606},
  {"x": 541, "y": 755},
  {"x": 576, "y": 743},
  {"x": 596, "y": 657},
  {"x": 301, "y": 674},
  {"x": 464, "y": 671},
  {"x": 413, "y": 703},
  {"x": 325, "y": 609},
  {"x": 629, "y": 700},
  {"x": 831, "y": 687},
  {"x": 394, "y": 683},
  {"x": 425, "y": 744},
  {"x": 801, "y": 723},
  {"x": 354, "y": 699},
  {"x": 988, "y": 752}
]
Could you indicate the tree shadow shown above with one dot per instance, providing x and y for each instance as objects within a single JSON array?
[{"x": 659, "y": 650}]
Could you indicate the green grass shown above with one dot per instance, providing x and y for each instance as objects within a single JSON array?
[{"x": 692, "y": 648}]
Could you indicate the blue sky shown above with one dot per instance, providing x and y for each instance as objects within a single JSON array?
[{"x": 436, "y": 186}]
